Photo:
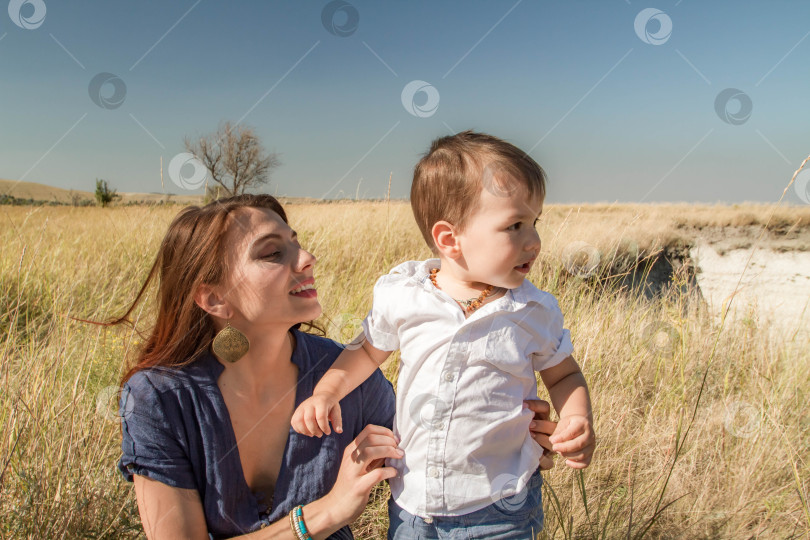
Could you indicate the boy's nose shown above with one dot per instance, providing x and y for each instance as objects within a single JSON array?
[{"x": 534, "y": 243}]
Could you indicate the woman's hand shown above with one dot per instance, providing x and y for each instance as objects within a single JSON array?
[
  {"x": 541, "y": 428},
  {"x": 361, "y": 469}
]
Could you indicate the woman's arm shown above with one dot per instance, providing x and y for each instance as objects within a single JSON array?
[
  {"x": 169, "y": 512},
  {"x": 177, "y": 514},
  {"x": 172, "y": 513}
]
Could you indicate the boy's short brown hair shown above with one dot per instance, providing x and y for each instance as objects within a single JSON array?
[{"x": 448, "y": 180}]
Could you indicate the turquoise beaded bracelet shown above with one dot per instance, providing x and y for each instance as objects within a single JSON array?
[
  {"x": 295, "y": 532},
  {"x": 297, "y": 517}
]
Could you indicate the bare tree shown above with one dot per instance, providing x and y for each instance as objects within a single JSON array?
[{"x": 234, "y": 157}]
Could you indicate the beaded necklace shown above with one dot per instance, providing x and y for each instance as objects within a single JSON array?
[{"x": 470, "y": 305}]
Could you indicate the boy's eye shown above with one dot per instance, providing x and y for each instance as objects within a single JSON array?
[{"x": 514, "y": 226}]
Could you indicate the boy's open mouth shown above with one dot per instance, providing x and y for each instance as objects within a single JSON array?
[{"x": 525, "y": 267}]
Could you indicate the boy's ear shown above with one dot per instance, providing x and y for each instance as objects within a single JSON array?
[
  {"x": 444, "y": 238},
  {"x": 211, "y": 302}
]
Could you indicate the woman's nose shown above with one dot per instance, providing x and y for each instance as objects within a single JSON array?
[{"x": 305, "y": 260}]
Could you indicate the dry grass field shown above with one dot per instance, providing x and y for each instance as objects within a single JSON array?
[{"x": 701, "y": 422}]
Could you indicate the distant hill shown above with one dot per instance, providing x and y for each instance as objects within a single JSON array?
[{"x": 42, "y": 192}]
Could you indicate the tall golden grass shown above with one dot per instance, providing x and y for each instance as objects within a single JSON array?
[{"x": 701, "y": 423}]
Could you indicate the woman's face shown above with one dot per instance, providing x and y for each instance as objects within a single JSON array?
[{"x": 270, "y": 279}]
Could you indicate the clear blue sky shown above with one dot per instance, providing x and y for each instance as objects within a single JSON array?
[{"x": 607, "y": 114}]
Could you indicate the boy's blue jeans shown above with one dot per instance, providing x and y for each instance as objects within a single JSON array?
[{"x": 519, "y": 517}]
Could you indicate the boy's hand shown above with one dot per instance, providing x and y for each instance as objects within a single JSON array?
[
  {"x": 312, "y": 417},
  {"x": 574, "y": 439}
]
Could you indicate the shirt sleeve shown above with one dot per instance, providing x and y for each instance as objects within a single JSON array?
[
  {"x": 151, "y": 428},
  {"x": 378, "y": 401},
  {"x": 380, "y": 326},
  {"x": 553, "y": 339}
]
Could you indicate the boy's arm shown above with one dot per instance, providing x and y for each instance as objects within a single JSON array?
[
  {"x": 351, "y": 368},
  {"x": 574, "y": 437}
]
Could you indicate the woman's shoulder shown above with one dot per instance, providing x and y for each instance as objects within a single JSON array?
[
  {"x": 170, "y": 393},
  {"x": 316, "y": 351},
  {"x": 203, "y": 371},
  {"x": 321, "y": 353}
]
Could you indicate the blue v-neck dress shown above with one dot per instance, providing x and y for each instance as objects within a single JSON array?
[{"x": 176, "y": 429}]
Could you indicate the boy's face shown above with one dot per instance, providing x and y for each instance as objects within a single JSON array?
[{"x": 500, "y": 242}]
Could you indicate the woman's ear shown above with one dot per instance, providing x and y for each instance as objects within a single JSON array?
[
  {"x": 211, "y": 302},
  {"x": 444, "y": 238}
]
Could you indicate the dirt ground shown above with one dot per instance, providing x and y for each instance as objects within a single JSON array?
[{"x": 724, "y": 239}]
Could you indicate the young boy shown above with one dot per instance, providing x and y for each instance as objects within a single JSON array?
[{"x": 472, "y": 331}]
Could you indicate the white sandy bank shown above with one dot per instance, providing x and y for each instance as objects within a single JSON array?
[{"x": 773, "y": 287}]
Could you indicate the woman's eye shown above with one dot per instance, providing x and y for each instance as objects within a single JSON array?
[{"x": 273, "y": 255}]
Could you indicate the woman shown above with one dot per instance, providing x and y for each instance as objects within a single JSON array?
[{"x": 206, "y": 434}]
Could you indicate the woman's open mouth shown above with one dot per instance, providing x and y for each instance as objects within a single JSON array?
[{"x": 305, "y": 289}]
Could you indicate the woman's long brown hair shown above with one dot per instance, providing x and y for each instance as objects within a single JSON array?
[{"x": 192, "y": 253}]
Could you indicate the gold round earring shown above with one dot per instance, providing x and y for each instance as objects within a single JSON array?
[{"x": 230, "y": 344}]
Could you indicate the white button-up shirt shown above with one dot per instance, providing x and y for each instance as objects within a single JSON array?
[{"x": 461, "y": 386}]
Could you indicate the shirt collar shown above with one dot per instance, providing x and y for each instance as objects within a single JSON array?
[
  {"x": 519, "y": 297},
  {"x": 416, "y": 270},
  {"x": 527, "y": 293}
]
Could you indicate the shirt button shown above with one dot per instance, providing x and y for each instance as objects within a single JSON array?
[
  {"x": 264, "y": 525},
  {"x": 439, "y": 425},
  {"x": 433, "y": 472},
  {"x": 449, "y": 376}
]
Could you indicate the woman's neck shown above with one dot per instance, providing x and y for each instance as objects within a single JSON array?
[{"x": 269, "y": 356}]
